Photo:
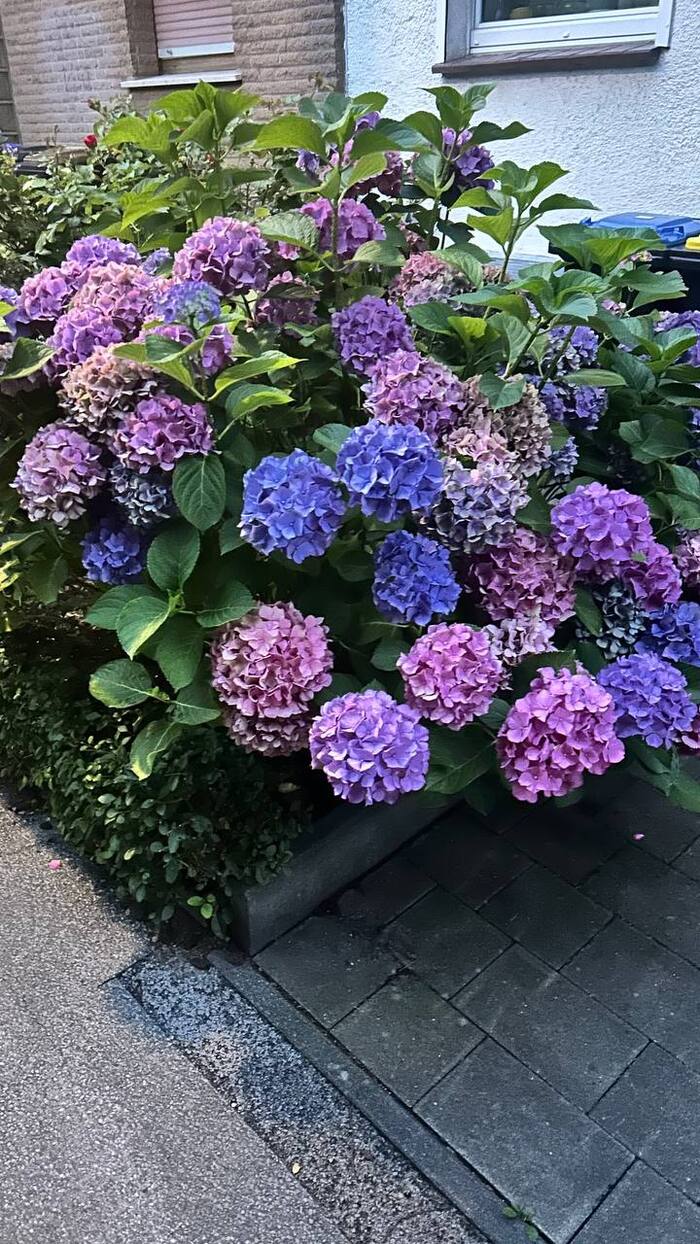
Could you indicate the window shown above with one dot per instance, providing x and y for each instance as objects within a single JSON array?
[{"x": 193, "y": 28}]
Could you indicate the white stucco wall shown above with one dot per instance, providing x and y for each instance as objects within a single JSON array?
[{"x": 631, "y": 138}]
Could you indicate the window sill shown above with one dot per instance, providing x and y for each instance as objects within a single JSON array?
[
  {"x": 549, "y": 60},
  {"x": 182, "y": 79}
]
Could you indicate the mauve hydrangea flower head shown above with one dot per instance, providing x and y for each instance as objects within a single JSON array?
[
  {"x": 450, "y": 674},
  {"x": 266, "y": 670},
  {"x": 523, "y": 427},
  {"x": 468, "y": 160},
  {"x": 157, "y": 259},
  {"x": 426, "y": 277},
  {"x": 562, "y": 729},
  {"x": 58, "y": 473},
  {"x": 651, "y": 699},
  {"x": 12, "y": 318},
  {"x": 144, "y": 499},
  {"x": 622, "y": 620},
  {"x": 413, "y": 579},
  {"x": 408, "y": 388},
  {"x": 683, "y": 319},
  {"x": 578, "y": 406},
  {"x": 217, "y": 350},
  {"x": 388, "y": 182},
  {"x": 97, "y": 393},
  {"x": 687, "y": 558},
  {"x": 513, "y": 639},
  {"x": 180, "y": 334},
  {"x": 123, "y": 293},
  {"x": 601, "y": 528},
  {"x": 477, "y": 505},
  {"x": 280, "y": 306},
  {"x": 389, "y": 470},
  {"x": 368, "y": 330},
  {"x": 95, "y": 248},
  {"x": 76, "y": 336},
  {"x": 159, "y": 431},
  {"x": 113, "y": 553},
  {"x": 524, "y": 574},
  {"x": 581, "y": 350},
  {"x": 229, "y": 254},
  {"x": 44, "y": 297},
  {"x": 371, "y": 749},
  {"x": 674, "y": 633},
  {"x": 292, "y": 505},
  {"x": 656, "y": 581},
  {"x": 356, "y": 225},
  {"x": 563, "y": 461},
  {"x": 194, "y": 303}
]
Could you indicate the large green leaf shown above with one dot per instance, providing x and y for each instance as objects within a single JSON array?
[
  {"x": 501, "y": 393},
  {"x": 300, "y": 133},
  {"x": 262, "y": 365},
  {"x": 46, "y": 576},
  {"x": 199, "y": 488},
  {"x": 226, "y": 603},
  {"x": 244, "y": 399},
  {"x": 295, "y": 228},
  {"x": 138, "y": 620},
  {"x": 106, "y": 610},
  {"x": 179, "y": 649},
  {"x": 588, "y": 612},
  {"x": 27, "y": 357},
  {"x": 332, "y": 436},
  {"x": 121, "y": 684},
  {"x": 196, "y": 703},
  {"x": 384, "y": 254},
  {"x": 150, "y": 743},
  {"x": 456, "y": 759},
  {"x": 173, "y": 556}
]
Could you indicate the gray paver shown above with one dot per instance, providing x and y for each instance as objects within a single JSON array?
[
  {"x": 444, "y": 941},
  {"x": 645, "y": 984},
  {"x": 537, "y": 1149},
  {"x": 548, "y": 916},
  {"x": 570, "y": 842},
  {"x": 327, "y": 966},
  {"x": 408, "y": 1036},
  {"x": 534, "y": 1013},
  {"x": 643, "y": 1209},
  {"x": 689, "y": 861},
  {"x": 467, "y": 858},
  {"x": 384, "y": 893},
  {"x": 653, "y": 897},
  {"x": 643, "y": 810},
  {"x": 655, "y": 1110}
]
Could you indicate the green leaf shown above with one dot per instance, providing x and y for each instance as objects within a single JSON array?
[
  {"x": 199, "y": 488},
  {"x": 155, "y": 354},
  {"x": 596, "y": 378},
  {"x": 46, "y": 577},
  {"x": 196, "y": 704},
  {"x": 384, "y": 254},
  {"x": 498, "y": 227},
  {"x": 536, "y": 514},
  {"x": 300, "y": 133},
  {"x": 663, "y": 439},
  {"x": 368, "y": 165},
  {"x": 120, "y": 684},
  {"x": 456, "y": 759},
  {"x": 294, "y": 227},
  {"x": 428, "y": 125},
  {"x": 106, "y": 610},
  {"x": 350, "y": 561},
  {"x": 138, "y": 620},
  {"x": 27, "y": 357},
  {"x": 230, "y": 537},
  {"x": 262, "y": 365},
  {"x": 226, "y": 603},
  {"x": 179, "y": 649},
  {"x": 150, "y": 743},
  {"x": 244, "y": 399},
  {"x": 173, "y": 555},
  {"x": 434, "y": 317},
  {"x": 500, "y": 392},
  {"x": 387, "y": 653},
  {"x": 588, "y": 612},
  {"x": 332, "y": 436},
  {"x": 685, "y": 792},
  {"x": 516, "y": 334}
]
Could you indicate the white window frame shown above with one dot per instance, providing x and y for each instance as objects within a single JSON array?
[{"x": 585, "y": 30}]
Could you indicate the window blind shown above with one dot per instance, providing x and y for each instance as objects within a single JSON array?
[{"x": 193, "y": 27}]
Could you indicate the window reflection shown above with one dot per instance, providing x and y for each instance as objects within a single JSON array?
[{"x": 518, "y": 10}]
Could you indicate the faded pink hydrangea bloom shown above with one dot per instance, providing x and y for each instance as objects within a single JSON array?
[
  {"x": 451, "y": 674},
  {"x": 525, "y": 575}
]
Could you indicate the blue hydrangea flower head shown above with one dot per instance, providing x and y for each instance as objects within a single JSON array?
[
  {"x": 674, "y": 633},
  {"x": 563, "y": 461},
  {"x": 292, "y": 505},
  {"x": 113, "y": 553},
  {"x": 194, "y": 303},
  {"x": 413, "y": 579},
  {"x": 651, "y": 699},
  {"x": 144, "y": 499},
  {"x": 581, "y": 350},
  {"x": 157, "y": 259},
  {"x": 389, "y": 469}
]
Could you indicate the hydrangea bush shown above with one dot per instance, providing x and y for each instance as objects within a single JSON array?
[{"x": 340, "y": 480}]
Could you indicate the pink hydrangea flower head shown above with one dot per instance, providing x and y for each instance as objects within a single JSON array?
[
  {"x": 266, "y": 669},
  {"x": 450, "y": 674},
  {"x": 44, "y": 297},
  {"x": 76, "y": 336},
  {"x": 513, "y": 639},
  {"x": 161, "y": 430},
  {"x": 524, "y": 574},
  {"x": 97, "y": 394},
  {"x": 231, "y": 255},
  {"x": 58, "y": 473},
  {"x": 656, "y": 581},
  {"x": 407, "y": 387},
  {"x": 687, "y": 558},
  {"x": 425, "y": 277},
  {"x": 121, "y": 292},
  {"x": 601, "y": 528},
  {"x": 562, "y": 729},
  {"x": 523, "y": 428},
  {"x": 371, "y": 749}
]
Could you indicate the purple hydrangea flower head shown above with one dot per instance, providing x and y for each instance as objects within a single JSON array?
[
  {"x": 12, "y": 318},
  {"x": 581, "y": 350},
  {"x": 388, "y": 182},
  {"x": 683, "y": 319},
  {"x": 371, "y": 749},
  {"x": 123, "y": 293},
  {"x": 98, "y": 249},
  {"x": 413, "y": 579},
  {"x": 58, "y": 473},
  {"x": 45, "y": 297},
  {"x": 96, "y": 394},
  {"x": 656, "y": 581},
  {"x": 368, "y": 121},
  {"x": 601, "y": 528},
  {"x": 513, "y": 639},
  {"x": 229, "y": 254},
  {"x": 477, "y": 505},
  {"x": 578, "y": 406},
  {"x": 194, "y": 303},
  {"x": 651, "y": 699},
  {"x": 426, "y": 277},
  {"x": 280, "y": 306},
  {"x": 674, "y": 633},
  {"x": 563, "y": 461},
  {"x": 525, "y": 575},
  {"x": 113, "y": 553},
  {"x": 469, "y": 161},
  {"x": 450, "y": 674},
  {"x": 157, "y": 259},
  {"x": 356, "y": 225},
  {"x": 76, "y": 336},
  {"x": 367, "y": 331},
  {"x": 292, "y": 505},
  {"x": 562, "y": 729},
  {"x": 687, "y": 558},
  {"x": 144, "y": 499},
  {"x": 161, "y": 430},
  {"x": 408, "y": 388},
  {"x": 308, "y": 162},
  {"x": 266, "y": 670},
  {"x": 217, "y": 350},
  {"x": 389, "y": 470},
  {"x": 180, "y": 334}
]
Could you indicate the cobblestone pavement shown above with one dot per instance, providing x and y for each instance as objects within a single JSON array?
[{"x": 530, "y": 990}]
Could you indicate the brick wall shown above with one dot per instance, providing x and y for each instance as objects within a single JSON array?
[{"x": 62, "y": 52}]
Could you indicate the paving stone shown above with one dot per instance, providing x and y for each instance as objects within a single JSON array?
[
  {"x": 570, "y": 842},
  {"x": 408, "y": 1036},
  {"x": 640, "y": 809},
  {"x": 467, "y": 858},
  {"x": 653, "y": 897},
  {"x": 384, "y": 893},
  {"x": 689, "y": 861},
  {"x": 444, "y": 941},
  {"x": 645, "y": 984},
  {"x": 643, "y": 1209},
  {"x": 537, "y": 1149},
  {"x": 548, "y": 916},
  {"x": 327, "y": 966},
  {"x": 654, "y": 1109},
  {"x": 534, "y": 1012}
]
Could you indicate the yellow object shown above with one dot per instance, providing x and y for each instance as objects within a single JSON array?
[{"x": 693, "y": 244}]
